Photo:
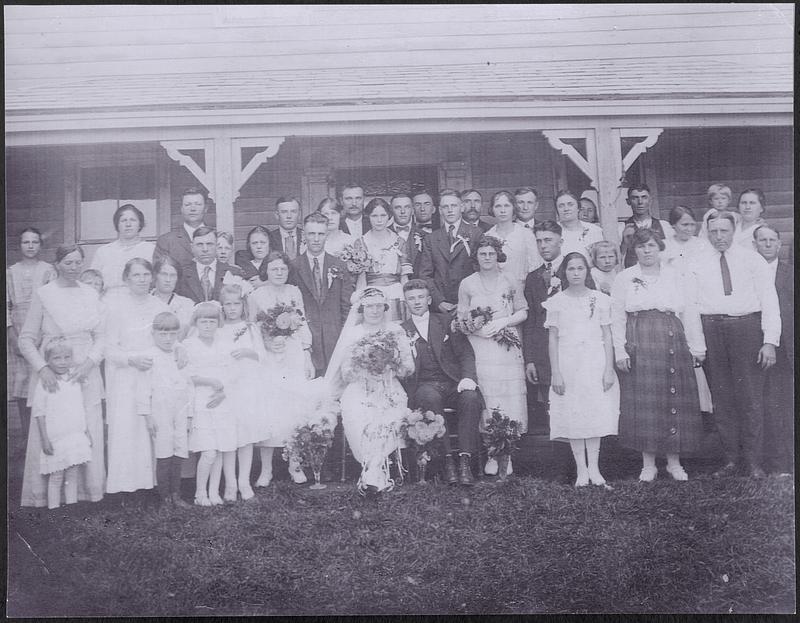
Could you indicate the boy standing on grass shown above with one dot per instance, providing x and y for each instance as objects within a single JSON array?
[{"x": 164, "y": 397}]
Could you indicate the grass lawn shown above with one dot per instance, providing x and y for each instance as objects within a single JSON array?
[{"x": 528, "y": 545}]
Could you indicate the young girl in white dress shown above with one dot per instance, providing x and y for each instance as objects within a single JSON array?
[
  {"x": 241, "y": 341},
  {"x": 286, "y": 389},
  {"x": 214, "y": 423},
  {"x": 606, "y": 261},
  {"x": 584, "y": 393},
  {"x": 61, "y": 419}
]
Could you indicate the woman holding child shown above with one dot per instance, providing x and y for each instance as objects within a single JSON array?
[{"x": 72, "y": 310}]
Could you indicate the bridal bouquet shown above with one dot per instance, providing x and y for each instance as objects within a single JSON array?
[
  {"x": 501, "y": 435},
  {"x": 309, "y": 444},
  {"x": 377, "y": 353},
  {"x": 282, "y": 319},
  {"x": 422, "y": 430},
  {"x": 356, "y": 258},
  {"x": 477, "y": 318}
]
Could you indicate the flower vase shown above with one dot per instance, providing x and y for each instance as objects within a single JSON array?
[
  {"x": 502, "y": 466},
  {"x": 422, "y": 467}
]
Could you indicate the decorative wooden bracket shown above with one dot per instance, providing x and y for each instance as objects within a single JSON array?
[
  {"x": 649, "y": 137},
  {"x": 241, "y": 175},
  {"x": 204, "y": 176},
  {"x": 587, "y": 165}
]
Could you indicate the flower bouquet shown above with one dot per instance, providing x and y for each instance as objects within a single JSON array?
[
  {"x": 423, "y": 430},
  {"x": 282, "y": 319},
  {"x": 477, "y": 318},
  {"x": 308, "y": 445},
  {"x": 357, "y": 259},
  {"x": 377, "y": 353},
  {"x": 501, "y": 435}
]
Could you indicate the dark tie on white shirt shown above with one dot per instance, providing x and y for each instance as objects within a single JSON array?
[
  {"x": 727, "y": 286},
  {"x": 291, "y": 248},
  {"x": 205, "y": 282},
  {"x": 317, "y": 277}
]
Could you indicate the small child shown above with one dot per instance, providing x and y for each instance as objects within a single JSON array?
[
  {"x": 240, "y": 340},
  {"x": 61, "y": 419},
  {"x": 164, "y": 396},
  {"x": 584, "y": 393},
  {"x": 605, "y": 264},
  {"x": 94, "y": 278},
  {"x": 213, "y": 431}
]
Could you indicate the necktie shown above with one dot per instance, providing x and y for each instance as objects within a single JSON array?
[
  {"x": 548, "y": 267},
  {"x": 451, "y": 230},
  {"x": 291, "y": 249},
  {"x": 727, "y": 287},
  {"x": 205, "y": 282},
  {"x": 317, "y": 278},
  {"x": 405, "y": 228}
]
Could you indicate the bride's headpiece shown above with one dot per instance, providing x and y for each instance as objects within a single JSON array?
[{"x": 371, "y": 295}]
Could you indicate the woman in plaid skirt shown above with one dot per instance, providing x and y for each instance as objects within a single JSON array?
[{"x": 658, "y": 339}]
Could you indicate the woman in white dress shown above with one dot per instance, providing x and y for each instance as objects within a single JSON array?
[
  {"x": 111, "y": 258},
  {"x": 337, "y": 239},
  {"x": 298, "y": 347},
  {"x": 67, "y": 308},
  {"x": 519, "y": 246},
  {"x": 165, "y": 277},
  {"x": 576, "y": 235},
  {"x": 22, "y": 280},
  {"x": 391, "y": 265},
  {"x": 500, "y": 367},
  {"x": 752, "y": 203},
  {"x": 129, "y": 321},
  {"x": 373, "y": 401}
]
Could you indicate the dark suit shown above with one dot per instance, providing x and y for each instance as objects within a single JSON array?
[
  {"x": 326, "y": 315},
  {"x": 175, "y": 244},
  {"x": 779, "y": 382},
  {"x": 248, "y": 270},
  {"x": 483, "y": 225},
  {"x": 443, "y": 269},
  {"x": 414, "y": 245},
  {"x": 189, "y": 282},
  {"x": 629, "y": 254},
  {"x": 276, "y": 240},
  {"x": 440, "y": 363},
  {"x": 366, "y": 225},
  {"x": 534, "y": 335}
]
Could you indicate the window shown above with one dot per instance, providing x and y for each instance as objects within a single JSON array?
[{"x": 104, "y": 189}]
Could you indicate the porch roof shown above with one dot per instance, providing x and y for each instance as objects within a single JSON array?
[{"x": 590, "y": 80}]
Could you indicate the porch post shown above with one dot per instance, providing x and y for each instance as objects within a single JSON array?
[{"x": 609, "y": 178}]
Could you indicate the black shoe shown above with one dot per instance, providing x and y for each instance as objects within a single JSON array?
[
  {"x": 728, "y": 470},
  {"x": 371, "y": 492},
  {"x": 757, "y": 472},
  {"x": 465, "y": 476},
  {"x": 450, "y": 474}
]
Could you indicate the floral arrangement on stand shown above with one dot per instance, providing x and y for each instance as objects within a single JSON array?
[
  {"x": 501, "y": 436},
  {"x": 423, "y": 431},
  {"x": 357, "y": 259},
  {"x": 477, "y": 318},
  {"x": 309, "y": 444},
  {"x": 282, "y": 319}
]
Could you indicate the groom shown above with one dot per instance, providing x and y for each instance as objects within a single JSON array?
[
  {"x": 444, "y": 375},
  {"x": 326, "y": 286}
]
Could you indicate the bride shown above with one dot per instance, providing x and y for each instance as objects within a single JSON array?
[{"x": 372, "y": 354}]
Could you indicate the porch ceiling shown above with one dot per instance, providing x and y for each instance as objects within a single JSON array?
[{"x": 595, "y": 80}]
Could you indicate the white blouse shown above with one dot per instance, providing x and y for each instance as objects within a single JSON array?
[
  {"x": 581, "y": 239},
  {"x": 634, "y": 291}
]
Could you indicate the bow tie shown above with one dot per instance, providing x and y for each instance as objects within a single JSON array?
[{"x": 400, "y": 228}]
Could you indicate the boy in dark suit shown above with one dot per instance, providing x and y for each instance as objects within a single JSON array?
[{"x": 202, "y": 279}]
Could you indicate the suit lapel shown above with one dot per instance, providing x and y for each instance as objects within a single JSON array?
[
  {"x": 306, "y": 276},
  {"x": 193, "y": 282},
  {"x": 411, "y": 330},
  {"x": 435, "y": 337}
]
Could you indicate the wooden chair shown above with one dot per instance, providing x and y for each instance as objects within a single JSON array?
[{"x": 451, "y": 420}]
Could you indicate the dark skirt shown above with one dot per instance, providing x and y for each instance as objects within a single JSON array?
[{"x": 659, "y": 404}]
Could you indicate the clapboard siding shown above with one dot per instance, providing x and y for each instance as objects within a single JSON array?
[
  {"x": 687, "y": 162},
  {"x": 76, "y": 41}
]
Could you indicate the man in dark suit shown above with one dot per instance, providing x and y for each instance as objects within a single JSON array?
[
  {"x": 444, "y": 376},
  {"x": 288, "y": 238},
  {"x": 404, "y": 226},
  {"x": 425, "y": 215},
  {"x": 473, "y": 204},
  {"x": 178, "y": 244},
  {"x": 540, "y": 285},
  {"x": 447, "y": 254},
  {"x": 779, "y": 382},
  {"x": 354, "y": 222},
  {"x": 201, "y": 279},
  {"x": 527, "y": 201},
  {"x": 326, "y": 286}
]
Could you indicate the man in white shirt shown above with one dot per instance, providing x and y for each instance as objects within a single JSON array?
[
  {"x": 202, "y": 279},
  {"x": 288, "y": 238},
  {"x": 444, "y": 376},
  {"x": 354, "y": 221},
  {"x": 640, "y": 200},
  {"x": 742, "y": 326},
  {"x": 527, "y": 201},
  {"x": 178, "y": 244}
]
